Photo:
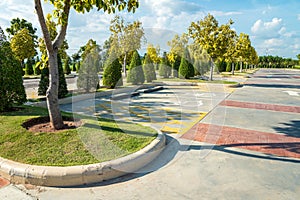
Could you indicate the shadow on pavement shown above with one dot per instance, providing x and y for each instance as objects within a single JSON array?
[
  {"x": 272, "y": 85},
  {"x": 291, "y": 129},
  {"x": 173, "y": 147}
]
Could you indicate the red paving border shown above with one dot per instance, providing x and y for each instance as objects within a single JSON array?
[
  {"x": 261, "y": 106},
  {"x": 3, "y": 182},
  {"x": 269, "y": 143}
]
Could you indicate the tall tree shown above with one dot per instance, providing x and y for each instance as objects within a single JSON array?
[
  {"x": 11, "y": 84},
  {"x": 177, "y": 46},
  {"x": 213, "y": 38},
  {"x": 62, "y": 11},
  {"x": 243, "y": 49},
  {"x": 22, "y": 44},
  {"x": 44, "y": 62},
  {"x": 130, "y": 36},
  {"x": 88, "y": 80},
  {"x": 153, "y": 52},
  {"x": 18, "y": 24}
]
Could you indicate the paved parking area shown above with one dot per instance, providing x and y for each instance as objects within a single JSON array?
[{"x": 247, "y": 147}]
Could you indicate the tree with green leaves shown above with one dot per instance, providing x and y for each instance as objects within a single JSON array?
[
  {"x": 243, "y": 49},
  {"x": 213, "y": 38},
  {"x": 61, "y": 12},
  {"x": 136, "y": 73},
  {"x": 18, "y": 24},
  {"x": 67, "y": 68},
  {"x": 112, "y": 75},
  {"x": 88, "y": 80},
  {"x": 186, "y": 68},
  {"x": 149, "y": 70},
  {"x": 22, "y": 44},
  {"x": 164, "y": 67},
  {"x": 177, "y": 46},
  {"x": 12, "y": 91},
  {"x": 130, "y": 37},
  {"x": 153, "y": 52},
  {"x": 29, "y": 66}
]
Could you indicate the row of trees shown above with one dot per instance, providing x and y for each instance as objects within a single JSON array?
[
  {"x": 219, "y": 43},
  {"x": 275, "y": 62}
]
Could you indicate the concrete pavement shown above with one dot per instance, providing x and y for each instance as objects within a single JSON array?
[{"x": 256, "y": 130}]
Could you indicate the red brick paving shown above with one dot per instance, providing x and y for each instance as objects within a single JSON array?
[
  {"x": 269, "y": 143},
  {"x": 3, "y": 182},
  {"x": 261, "y": 106}
]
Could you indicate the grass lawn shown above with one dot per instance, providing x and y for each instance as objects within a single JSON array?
[
  {"x": 197, "y": 81},
  {"x": 96, "y": 141}
]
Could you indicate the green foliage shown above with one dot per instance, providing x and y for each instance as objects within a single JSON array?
[
  {"x": 12, "y": 91},
  {"x": 22, "y": 44},
  {"x": 228, "y": 67},
  {"x": 112, "y": 75},
  {"x": 176, "y": 66},
  {"x": 67, "y": 69},
  {"x": 36, "y": 68},
  {"x": 29, "y": 66},
  {"x": 18, "y": 24},
  {"x": 62, "y": 86},
  {"x": 88, "y": 80},
  {"x": 136, "y": 73},
  {"x": 186, "y": 69},
  {"x": 164, "y": 67},
  {"x": 149, "y": 70},
  {"x": 221, "y": 65},
  {"x": 44, "y": 81}
]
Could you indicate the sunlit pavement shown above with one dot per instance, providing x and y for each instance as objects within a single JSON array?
[{"x": 241, "y": 150}]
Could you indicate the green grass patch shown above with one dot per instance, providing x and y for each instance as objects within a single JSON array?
[
  {"x": 296, "y": 67},
  {"x": 198, "y": 81},
  {"x": 97, "y": 140}
]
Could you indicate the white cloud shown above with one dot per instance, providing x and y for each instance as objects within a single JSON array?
[
  {"x": 222, "y": 14},
  {"x": 298, "y": 17},
  {"x": 261, "y": 27},
  {"x": 273, "y": 42}
]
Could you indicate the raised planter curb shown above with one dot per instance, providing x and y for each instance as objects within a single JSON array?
[{"x": 20, "y": 173}]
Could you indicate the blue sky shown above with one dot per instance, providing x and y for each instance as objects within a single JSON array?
[{"x": 273, "y": 25}]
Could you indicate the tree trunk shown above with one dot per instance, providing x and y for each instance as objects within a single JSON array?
[
  {"x": 52, "y": 93},
  {"x": 241, "y": 66},
  {"x": 124, "y": 65},
  {"x": 52, "y": 49},
  {"x": 232, "y": 68},
  {"x": 211, "y": 70}
]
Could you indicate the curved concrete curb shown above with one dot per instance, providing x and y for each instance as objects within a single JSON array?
[{"x": 81, "y": 175}]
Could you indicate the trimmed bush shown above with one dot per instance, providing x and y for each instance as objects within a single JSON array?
[
  {"x": 186, "y": 69},
  {"x": 29, "y": 66},
  {"x": 12, "y": 91},
  {"x": 136, "y": 73},
  {"x": 164, "y": 67},
  {"x": 44, "y": 81},
  {"x": 112, "y": 75},
  {"x": 88, "y": 80},
  {"x": 149, "y": 70}
]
